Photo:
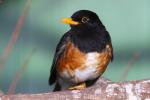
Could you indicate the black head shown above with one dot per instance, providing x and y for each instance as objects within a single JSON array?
[
  {"x": 86, "y": 17},
  {"x": 87, "y": 31},
  {"x": 84, "y": 20}
]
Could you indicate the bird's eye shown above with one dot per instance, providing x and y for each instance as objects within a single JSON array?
[{"x": 85, "y": 19}]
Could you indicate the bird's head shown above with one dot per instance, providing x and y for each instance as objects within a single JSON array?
[{"x": 84, "y": 20}]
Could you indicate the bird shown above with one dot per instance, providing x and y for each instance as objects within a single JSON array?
[{"x": 82, "y": 54}]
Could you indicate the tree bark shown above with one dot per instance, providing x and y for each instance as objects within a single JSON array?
[{"x": 103, "y": 89}]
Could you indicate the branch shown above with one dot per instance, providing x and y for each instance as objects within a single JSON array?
[
  {"x": 19, "y": 73},
  {"x": 103, "y": 90},
  {"x": 1, "y": 93},
  {"x": 15, "y": 35}
]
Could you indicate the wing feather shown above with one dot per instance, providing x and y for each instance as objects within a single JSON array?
[{"x": 59, "y": 52}]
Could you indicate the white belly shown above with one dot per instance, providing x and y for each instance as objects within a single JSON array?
[{"x": 90, "y": 72}]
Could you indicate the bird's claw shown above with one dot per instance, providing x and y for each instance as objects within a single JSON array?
[{"x": 78, "y": 87}]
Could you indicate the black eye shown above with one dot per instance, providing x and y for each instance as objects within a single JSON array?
[{"x": 85, "y": 19}]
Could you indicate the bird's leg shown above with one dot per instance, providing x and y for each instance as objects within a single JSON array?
[{"x": 78, "y": 87}]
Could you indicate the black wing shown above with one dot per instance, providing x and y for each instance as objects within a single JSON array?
[{"x": 59, "y": 51}]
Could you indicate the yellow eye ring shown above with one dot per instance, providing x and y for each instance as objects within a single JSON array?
[{"x": 85, "y": 19}]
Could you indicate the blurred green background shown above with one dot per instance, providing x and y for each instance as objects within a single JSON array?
[{"x": 128, "y": 22}]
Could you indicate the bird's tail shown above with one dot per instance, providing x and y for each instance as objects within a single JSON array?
[{"x": 57, "y": 87}]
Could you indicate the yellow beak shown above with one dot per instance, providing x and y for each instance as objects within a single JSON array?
[{"x": 70, "y": 21}]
